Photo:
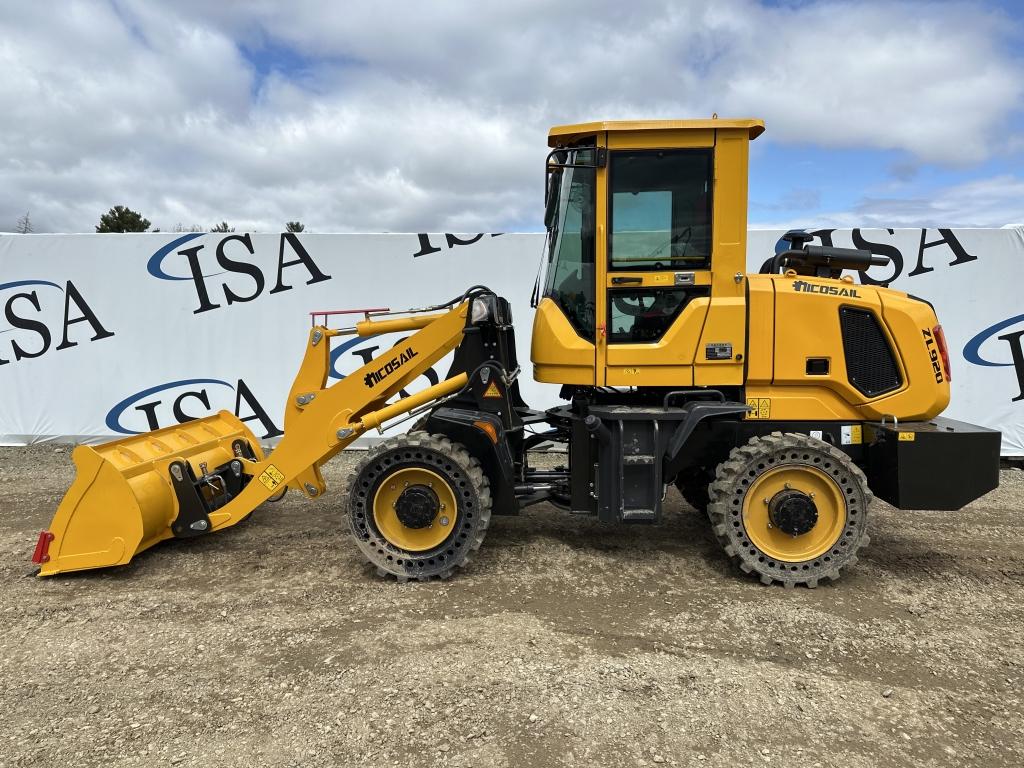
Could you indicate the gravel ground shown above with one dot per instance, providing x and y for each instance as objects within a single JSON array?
[{"x": 565, "y": 643}]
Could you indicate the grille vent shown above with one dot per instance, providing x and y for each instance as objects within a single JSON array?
[{"x": 870, "y": 363}]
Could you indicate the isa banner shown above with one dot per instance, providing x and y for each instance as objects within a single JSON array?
[{"x": 107, "y": 335}]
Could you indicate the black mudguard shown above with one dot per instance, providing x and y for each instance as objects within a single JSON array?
[{"x": 465, "y": 426}]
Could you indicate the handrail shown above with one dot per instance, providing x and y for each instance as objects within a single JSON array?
[{"x": 325, "y": 313}]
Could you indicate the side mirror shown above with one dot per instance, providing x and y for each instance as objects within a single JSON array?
[{"x": 551, "y": 196}]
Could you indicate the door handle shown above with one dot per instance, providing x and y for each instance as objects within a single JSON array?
[{"x": 624, "y": 280}]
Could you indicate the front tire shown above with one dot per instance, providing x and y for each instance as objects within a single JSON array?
[
  {"x": 418, "y": 505},
  {"x": 790, "y": 509}
]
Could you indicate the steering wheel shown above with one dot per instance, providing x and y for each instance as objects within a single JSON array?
[{"x": 625, "y": 307}]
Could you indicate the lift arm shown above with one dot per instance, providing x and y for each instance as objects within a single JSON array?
[
  {"x": 132, "y": 493},
  {"x": 329, "y": 418},
  {"x": 322, "y": 420}
]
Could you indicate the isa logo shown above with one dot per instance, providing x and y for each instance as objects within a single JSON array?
[
  {"x": 909, "y": 255},
  {"x": 40, "y": 316},
  {"x": 984, "y": 350},
  {"x": 177, "y": 402},
  {"x": 227, "y": 270}
]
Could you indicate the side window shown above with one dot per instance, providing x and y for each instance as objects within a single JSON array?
[
  {"x": 641, "y": 315},
  {"x": 660, "y": 209}
]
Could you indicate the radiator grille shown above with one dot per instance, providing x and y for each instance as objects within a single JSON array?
[{"x": 870, "y": 364}]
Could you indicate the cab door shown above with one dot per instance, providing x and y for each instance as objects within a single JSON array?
[
  {"x": 658, "y": 277},
  {"x": 674, "y": 313},
  {"x": 563, "y": 345}
]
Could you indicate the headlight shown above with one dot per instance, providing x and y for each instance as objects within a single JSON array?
[{"x": 481, "y": 310}]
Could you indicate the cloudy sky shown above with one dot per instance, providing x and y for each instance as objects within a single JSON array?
[{"x": 432, "y": 116}]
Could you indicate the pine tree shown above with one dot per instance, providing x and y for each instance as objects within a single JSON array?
[{"x": 120, "y": 218}]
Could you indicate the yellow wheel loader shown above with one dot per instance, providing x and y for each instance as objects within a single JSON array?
[{"x": 779, "y": 403}]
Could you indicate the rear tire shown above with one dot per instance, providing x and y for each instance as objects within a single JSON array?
[
  {"x": 790, "y": 509},
  {"x": 418, "y": 505}
]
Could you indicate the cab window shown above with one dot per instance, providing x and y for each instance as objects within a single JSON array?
[
  {"x": 570, "y": 281},
  {"x": 643, "y": 315},
  {"x": 660, "y": 209}
]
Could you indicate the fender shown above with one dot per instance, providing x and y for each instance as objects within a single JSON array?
[
  {"x": 463, "y": 426},
  {"x": 697, "y": 412}
]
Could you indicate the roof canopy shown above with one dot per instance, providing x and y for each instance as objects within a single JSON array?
[{"x": 560, "y": 133}]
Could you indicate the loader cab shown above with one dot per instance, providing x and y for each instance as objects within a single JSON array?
[{"x": 646, "y": 226}]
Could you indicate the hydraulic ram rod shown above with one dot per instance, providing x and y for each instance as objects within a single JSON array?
[{"x": 376, "y": 418}]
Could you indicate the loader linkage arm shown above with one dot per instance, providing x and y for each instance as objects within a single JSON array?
[{"x": 133, "y": 493}]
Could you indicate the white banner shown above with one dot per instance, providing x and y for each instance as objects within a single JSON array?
[{"x": 105, "y": 335}]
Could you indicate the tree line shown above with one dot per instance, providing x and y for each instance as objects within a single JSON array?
[{"x": 121, "y": 218}]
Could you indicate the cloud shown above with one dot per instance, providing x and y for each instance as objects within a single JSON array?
[
  {"x": 935, "y": 80},
  {"x": 993, "y": 202},
  {"x": 984, "y": 203},
  {"x": 432, "y": 116}
]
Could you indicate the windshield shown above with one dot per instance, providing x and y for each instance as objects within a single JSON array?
[{"x": 570, "y": 281}]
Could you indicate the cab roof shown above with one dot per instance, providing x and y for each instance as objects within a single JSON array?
[{"x": 560, "y": 134}]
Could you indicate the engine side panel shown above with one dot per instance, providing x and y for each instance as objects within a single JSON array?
[{"x": 837, "y": 350}]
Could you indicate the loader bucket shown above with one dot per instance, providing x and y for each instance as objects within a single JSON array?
[{"x": 123, "y": 500}]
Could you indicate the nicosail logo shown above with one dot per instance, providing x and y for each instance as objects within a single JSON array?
[
  {"x": 801, "y": 286},
  {"x": 348, "y": 357},
  {"x": 40, "y": 311},
  {"x": 238, "y": 278},
  {"x": 973, "y": 349},
  {"x": 376, "y": 377},
  {"x": 178, "y": 402}
]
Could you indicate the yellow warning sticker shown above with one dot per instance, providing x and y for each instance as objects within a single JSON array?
[
  {"x": 908, "y": 436},
  {"x": 492, "y": 390},
  {"x": 851, "y": 434},
  {"x": 271, "y": 477},
  {"x": 761, "y": 407}
]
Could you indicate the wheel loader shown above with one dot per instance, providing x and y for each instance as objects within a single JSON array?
[{"x": 778, "y": 403}]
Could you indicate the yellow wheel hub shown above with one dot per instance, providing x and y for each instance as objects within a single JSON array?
[
  {"x": 820, "y": 488},
  {"x": 434, "y": 519}
]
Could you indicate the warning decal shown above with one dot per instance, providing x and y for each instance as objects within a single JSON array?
[
  {"x": 492, "y": 390},
  {"x": 762, "y": 407},
  {"x": 851, "y": 434},
  {"x": 271, "y": 477}
]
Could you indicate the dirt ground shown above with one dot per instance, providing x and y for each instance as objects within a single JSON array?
[{"x": 565, "y": 643}]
